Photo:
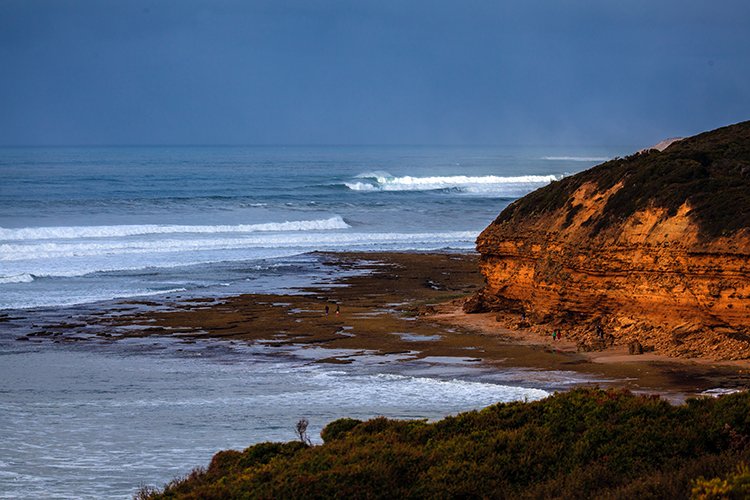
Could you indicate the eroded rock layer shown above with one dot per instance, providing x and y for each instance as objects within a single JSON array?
[{"x": 653, "y": 248}]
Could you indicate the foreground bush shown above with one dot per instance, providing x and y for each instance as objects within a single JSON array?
[
  {"x": 734, "y": 486},
  {"x": 579, "y": 444}
]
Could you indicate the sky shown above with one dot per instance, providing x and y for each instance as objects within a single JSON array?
[{"x": 531, "y": 72}]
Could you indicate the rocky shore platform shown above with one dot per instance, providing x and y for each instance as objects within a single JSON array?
[{"x": 404, "y": 304}]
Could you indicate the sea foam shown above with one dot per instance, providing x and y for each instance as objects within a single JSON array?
[
  {"x": 485, "y": 184},
  {"x": 53, "y": 250},
  {"x": 575, "y": 158},
  {"x": 17, "y": 278},
  {"x": 45, "y": 259},
  {"x": 74, "y": 232}
]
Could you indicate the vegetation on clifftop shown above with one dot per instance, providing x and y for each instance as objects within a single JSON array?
[
  {"x": 580, "y": 444},
  {"x": 711, "y": 171}
]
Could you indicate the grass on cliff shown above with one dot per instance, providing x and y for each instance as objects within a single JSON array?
[
  {"x": 579, "y": 444},
  {"x": 711, "y": 171}
]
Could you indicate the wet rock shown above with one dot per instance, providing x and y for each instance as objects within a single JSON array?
[
  {"x": 474, "y": 305},
  {"x": 433, "y": 285},
  {"x": 635, "y": 347},
  {"x": 426, "y": 310}
]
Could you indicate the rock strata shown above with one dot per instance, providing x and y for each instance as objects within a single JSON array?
[{"x": 653, "y": 248}]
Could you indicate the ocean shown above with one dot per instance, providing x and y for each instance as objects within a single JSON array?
[
  {"x": 83, "y": 225},
  {"x": 81, "y": 228}
]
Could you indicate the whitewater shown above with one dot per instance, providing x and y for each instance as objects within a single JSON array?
[
  {"x": 81, "y": 225},
  {"x": 491, "y": 185},
  {"x": 44, "y": 233},
  {"x": 96, "y": 420}
]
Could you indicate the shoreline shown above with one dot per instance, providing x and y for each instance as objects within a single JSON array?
[{"x": 403, "y": 304}]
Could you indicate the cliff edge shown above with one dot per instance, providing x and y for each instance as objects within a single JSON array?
[{"x": 648, "y": 250}]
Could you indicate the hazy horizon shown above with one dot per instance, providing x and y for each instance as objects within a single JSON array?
[{"x": 320, "y": 145}]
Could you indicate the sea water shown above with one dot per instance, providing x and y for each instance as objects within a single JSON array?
[
  {"x": 82, "y": 227},
  {"x": 79, "y": 225}
]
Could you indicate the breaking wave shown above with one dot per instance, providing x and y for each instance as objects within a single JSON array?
[
  {"x": 485, "y": 184},
  {"x": 575, "y": 158},
  {"x": 17, "y": 278},
  {"x": 55, "y": 250},
  {"x": 23, "y": 263},
  {"x": 73, "y": 232}
]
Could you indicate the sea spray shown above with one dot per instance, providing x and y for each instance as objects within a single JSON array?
[{"x": 487, "y": 184}]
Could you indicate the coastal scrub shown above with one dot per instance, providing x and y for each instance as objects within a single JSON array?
[{"x": 579, "y": 444}]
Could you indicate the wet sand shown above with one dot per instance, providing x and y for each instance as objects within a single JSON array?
[{"x": 407, "y": 304}]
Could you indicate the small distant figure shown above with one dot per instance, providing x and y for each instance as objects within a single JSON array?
[
  {"x": 327, "y": 309},
  {"x": 554, "y": 335},
  {"x": 559, "y": 335},
  {"x": 338, "y": 309},
  {"x": 523, "y": 315}
]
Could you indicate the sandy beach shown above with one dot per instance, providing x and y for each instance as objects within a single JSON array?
[{"x": 405, "y": 304}]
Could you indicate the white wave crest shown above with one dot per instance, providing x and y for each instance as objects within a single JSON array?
[
  {"x": 71, "y": 258},
  {"x": 73, "y": 232},
  {"x": 54, "y": 250},
  {"x": 17, "y": 278},
  {"x": 485, "y": 184},
  {"x": 575, "y": 158}
]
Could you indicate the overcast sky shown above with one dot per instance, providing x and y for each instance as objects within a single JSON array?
[{"x": 370, "y": 72}]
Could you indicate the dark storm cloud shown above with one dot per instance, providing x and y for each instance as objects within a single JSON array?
[{"x": 259, "y": 72}]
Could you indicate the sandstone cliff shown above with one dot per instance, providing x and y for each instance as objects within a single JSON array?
[{"x": 654, "y": 247}]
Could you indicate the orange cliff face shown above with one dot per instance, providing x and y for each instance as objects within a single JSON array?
[{"x": 610, "y": 247}]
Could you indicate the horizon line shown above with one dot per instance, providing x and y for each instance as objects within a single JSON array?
[{"x": 303, "y": 145}]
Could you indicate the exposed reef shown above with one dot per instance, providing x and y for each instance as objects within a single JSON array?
[{"x": 648, "y": 250}]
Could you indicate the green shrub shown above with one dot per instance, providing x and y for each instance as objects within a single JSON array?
[
  {"x": 582, "y": 443},
  {"x": 735, "y": 486},
  {"x": 338, "y": 428}
]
